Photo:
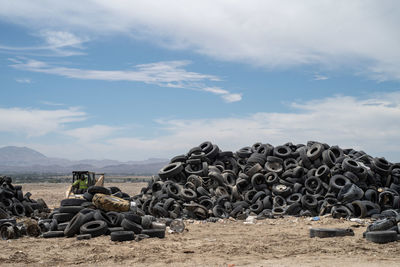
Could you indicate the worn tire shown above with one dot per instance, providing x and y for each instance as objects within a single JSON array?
[
  {"x": 70, "y": 209},
  {"x": 330, "y": 232},
  {"x": 381, "y": 237},
  {"x": 72, "y": 201},
  {"x": 94, "y": 189},
  {"x": 110, "y": 203},
  {"x": 94, "y": 228},
  {"x": 52, "y": 234},
  {"x": 131, "y": 226},
  {"x": 74, "y": 225},
  {"x": 122, "y": 236},
  {"x": 63, "y": 217},
  {"x": 154, "y": 233},
  {"x": 84, "y": 237}
]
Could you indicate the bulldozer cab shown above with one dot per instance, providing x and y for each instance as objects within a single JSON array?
[
  {"x": 76, "y": 175},
  {"x": 91, "y": 180}
]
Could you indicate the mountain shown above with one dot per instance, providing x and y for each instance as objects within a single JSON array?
[{"x": 26, "y": 160}]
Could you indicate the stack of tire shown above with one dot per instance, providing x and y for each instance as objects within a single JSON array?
[
  {"x": 14, "y": 203},
  {"x": 267, "y": 181},
  {"x": 385, "y": 229},
  {"x": 102, "y": 211}
]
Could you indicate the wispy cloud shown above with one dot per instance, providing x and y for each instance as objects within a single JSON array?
[
  {"x": 37, "y": 122},
  {"x": 360, "y": 123},
  {"x": 319, "y": 77},
  {"x": 23, "y": 80},
  {"x": 163, "y": 74},
  {"x": 55, "y": 43},
  {"x": 359, "y": 35},
  {"x": 92, "y": 133}
]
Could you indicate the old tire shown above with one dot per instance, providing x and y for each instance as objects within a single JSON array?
[
  {"x": 52, "y": 234},
  {"x": 122, "y": 236},
  {"x": 110, "y": 203},
  {"x": 94, "y": 228},
  {"x": 381, "y": 237},
  {"x": 154, "y": 233}
]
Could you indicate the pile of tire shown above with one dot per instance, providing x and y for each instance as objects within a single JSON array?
[
  {"x": 266, "y": 181},
  {"x": 101, "y": 211},
  {"x": 14, "y": 203}
]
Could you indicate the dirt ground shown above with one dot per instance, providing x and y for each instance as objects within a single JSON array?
[{"x": 271, "y": 242}]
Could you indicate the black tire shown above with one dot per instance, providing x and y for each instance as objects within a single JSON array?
[
  {"x": 63, "y": 217},
  {"x": 70, "y": 209},
  {"x": 154, "y": 233},
  {"x": 122, "y": 236},
  {"x": 52, "y": 234},
  {"x": 18, "y": 209},
  {"x": 4, "y": 214},
  {"x": 102, "y": 216},
  {"x": 337, "y": 182},
  {"x": 329, "y": 158},
  {"x": 281, "y": 190},
  {"x": 351, "y": 165},
  {"x": 188, "y": 194},
  {"x": 133, "y": 217},
  {"x": 115, "y": 229},
  {"x": 131, "y": 226},
  {"x": 61, "y": 226},
  {"x": 84, "y": 237},
  {"x": 94, "y": 189},
  {"x": 309, "y": 202},
  {"x": 315, "y": 151},
  {"x": 72, "y": 201},
  {"x": 88, "y": 196},
  {"x": 381, "y": 237},
  {"x": 74, "y": 225},
  {"x": 171, "y": 170},
  {"x": 330, "y": 232},
  {"x": 94, "y": 228},
  {"x": 381, "y": 225},
  {"x": 360, "y": 210},
  {"x": 115, "y": 218},
  {"x": 114, "y": 189}
]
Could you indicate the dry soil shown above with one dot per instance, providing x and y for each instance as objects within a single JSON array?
[{"x": 271, "y": 242}]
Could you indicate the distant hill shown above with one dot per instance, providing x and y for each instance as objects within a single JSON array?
[{"x": 15, "y": 160}]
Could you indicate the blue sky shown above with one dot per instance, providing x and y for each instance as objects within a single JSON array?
[{"x": 132, "y": 80}]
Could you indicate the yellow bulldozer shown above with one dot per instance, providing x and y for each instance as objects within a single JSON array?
[{"x": 96, "y": 179}]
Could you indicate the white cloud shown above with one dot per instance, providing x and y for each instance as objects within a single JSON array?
[
  {"x": 164, "y": 74},
  {"x": 56, "y": 43},
  {"x": 92, "y": 133},
  {"x": 370, "y": 124},
  {"x": 23, "y": 80},
  {"x": 319, "y": 77},
  {"x": 358, "y": 34},
  {"x": 37, "y": 122}
]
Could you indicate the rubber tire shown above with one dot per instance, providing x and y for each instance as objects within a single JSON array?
[
  {"x": 74, "y": 225},
  {"x": 98, "y": 190},
  {"x": 110, "y": 203},
  {"x": 330, "y": 232},
  {"x": 52, "y": 234},
  {"x": 63, "y": 217},
  {"x": 72, "y": 201},
  {"x": 84, "y": 237},
  {"x": 98, "y": 230},
  {"x": 381, "y": 237},
  {"x": 131, "y": 226},
  {"x": 70, "y": 209},
  {"x": 154, "y": 233},
  {"x": 122, "y": 236}
]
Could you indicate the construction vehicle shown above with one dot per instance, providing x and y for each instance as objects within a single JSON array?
[{"x": 96, "y": 179}]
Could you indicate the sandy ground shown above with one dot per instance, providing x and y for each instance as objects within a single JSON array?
[{"x": 279, "y": 242}]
